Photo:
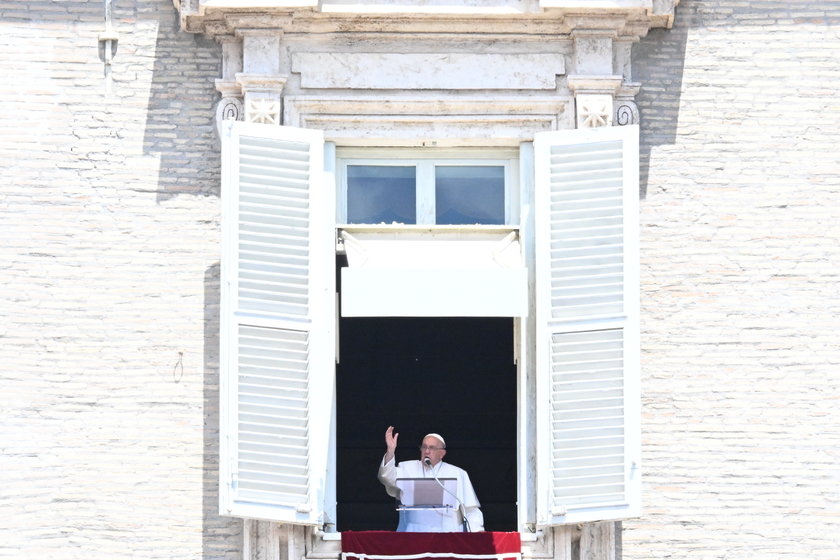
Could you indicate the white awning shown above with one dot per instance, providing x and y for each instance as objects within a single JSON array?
[{"x": 433, "y": 271}]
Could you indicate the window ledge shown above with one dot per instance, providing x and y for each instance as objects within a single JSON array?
[{"x": 430, "y": 229}]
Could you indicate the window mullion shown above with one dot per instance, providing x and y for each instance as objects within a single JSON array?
[{"x": 425, "y": 192}]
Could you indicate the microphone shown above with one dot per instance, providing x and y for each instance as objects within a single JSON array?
[{"x": 462, "y": 510}]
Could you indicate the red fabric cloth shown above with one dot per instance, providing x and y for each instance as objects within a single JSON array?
[{"x": 387, "y": 544}]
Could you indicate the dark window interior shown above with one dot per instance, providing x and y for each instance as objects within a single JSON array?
[{"x": 453, "y": 376}]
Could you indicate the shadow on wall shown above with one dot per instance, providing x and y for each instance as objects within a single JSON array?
[
  {"x": 658, "y": 62},
  {"x": 180, "y": 124},
  {"x": 180, "y": 130},
  {"x": 221, "y": 536},
  {"x": 658, "y": 59}
]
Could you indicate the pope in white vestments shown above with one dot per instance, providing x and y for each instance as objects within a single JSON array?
[{"x": 430, "y": 520}]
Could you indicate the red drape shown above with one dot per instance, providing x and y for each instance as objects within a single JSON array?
[{"x": 385, "y": 545}]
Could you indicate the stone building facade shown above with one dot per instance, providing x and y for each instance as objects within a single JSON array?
[{"x": 111, "y": 278}]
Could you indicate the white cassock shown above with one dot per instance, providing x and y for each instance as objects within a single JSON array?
[{"x": 433, "y": 520}]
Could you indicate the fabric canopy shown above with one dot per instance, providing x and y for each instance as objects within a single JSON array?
[{"x": 411, "y": 272}]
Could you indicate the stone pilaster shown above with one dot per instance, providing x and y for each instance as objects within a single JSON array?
[
  {"x": 230, "y": 106},
  {"x": 260, "y": 80},
  {"x": 625, "y": 110},
  {"x": 601, "y": 79}
]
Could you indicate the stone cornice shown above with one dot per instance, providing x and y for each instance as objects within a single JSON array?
[{"x": 218, "y": 19}]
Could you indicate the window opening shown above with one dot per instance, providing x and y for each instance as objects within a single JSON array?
[
  {"x": 469, "y": 194},
  {"x": 435, "y": 191},
  {"x": 454, "y": 376},
  {"x": 381, "y": 193}
]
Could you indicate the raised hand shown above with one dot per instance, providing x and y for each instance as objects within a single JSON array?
[{"x": 390, "y": 444}]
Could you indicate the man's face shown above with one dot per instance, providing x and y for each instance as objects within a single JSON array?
[{"x": 433, "y": 449}]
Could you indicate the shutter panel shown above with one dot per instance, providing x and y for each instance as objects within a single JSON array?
[
  {"x": 277, "y": 319},
  {"x": 587, "y": 286}
]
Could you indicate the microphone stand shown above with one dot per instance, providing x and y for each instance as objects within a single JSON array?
[{"x": 462, "y": 510}]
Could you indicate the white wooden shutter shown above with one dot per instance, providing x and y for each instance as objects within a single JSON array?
[
  {"x": 277, "y": 323},
  {"x": 586, "y": 228}
]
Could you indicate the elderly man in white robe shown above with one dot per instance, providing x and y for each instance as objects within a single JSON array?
[{"x": 430, "y": 520}]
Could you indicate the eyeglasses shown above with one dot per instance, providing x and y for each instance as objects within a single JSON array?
[{"x": 430, "y": 448}]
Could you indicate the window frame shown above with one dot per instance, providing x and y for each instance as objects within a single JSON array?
[
  {"x": 425, "y": 160},
  {"x": 527, "y": 173},
  {"x": 274, "y": 175}
]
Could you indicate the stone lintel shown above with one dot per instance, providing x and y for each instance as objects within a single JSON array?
[{"x": 450, "y": 120}]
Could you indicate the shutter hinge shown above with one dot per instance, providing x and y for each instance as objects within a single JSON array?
[
  {"x": 558, "y": 511},
  {"x": 303, "y": 508}
]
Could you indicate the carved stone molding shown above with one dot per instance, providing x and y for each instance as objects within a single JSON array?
[
  {"x": 261, "y": 83},
  {"x": 594, "y": 99},
  {"x": 594, "y": 84},
  {"x": 228, "y": 88},
  {"x": 217, "y": 18},
  {"x": 408, "y": 121},
  {"x": 228, "y": 109},
  {"x": 594, "y": 110},
  {"x": 263, "y": 95},
  {"x": 626, "y": 112},
  {"x": 263, "y": 110}
]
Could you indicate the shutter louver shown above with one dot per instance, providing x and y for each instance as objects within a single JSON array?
[
  {"x": 587, "y": 324},
  {"x": 277, "y": 347},
  {"x": 586, "y": 230},
  {"x": 273, "y": 226},
  {"x": 273, "y": 411},
  {"x": 587, "y": 387}
]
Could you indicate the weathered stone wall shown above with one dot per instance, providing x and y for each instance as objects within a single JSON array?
[
  {"x": 740, "y": 270},
  {"x": 109, "y": 252}
]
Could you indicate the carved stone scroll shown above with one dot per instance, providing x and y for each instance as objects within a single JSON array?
[
  {"x": 228, "y": 109},
  {"x": 626, "y": 112}
]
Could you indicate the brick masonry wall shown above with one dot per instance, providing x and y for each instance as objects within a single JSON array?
[
  {"x": 740, "y": 267},
  {"x": 109, "y": 302}
]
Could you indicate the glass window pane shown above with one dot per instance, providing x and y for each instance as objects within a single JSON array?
[
  {"x": 381, "y": 193},
  {"x": 473, "y": 194}
]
